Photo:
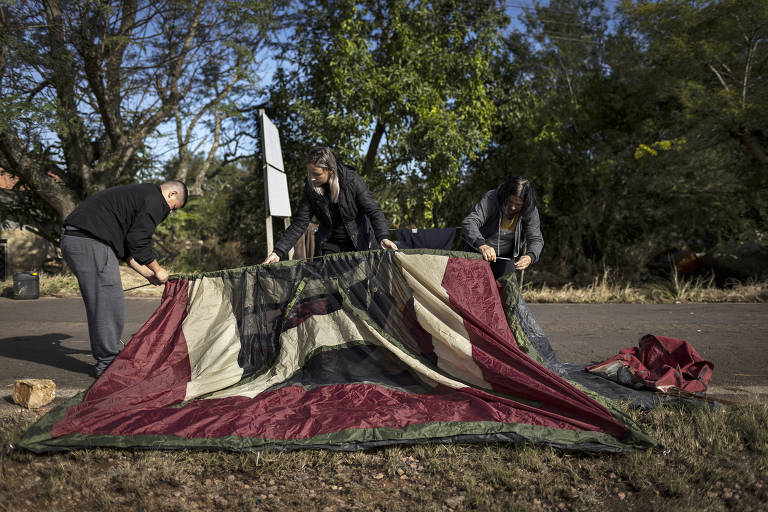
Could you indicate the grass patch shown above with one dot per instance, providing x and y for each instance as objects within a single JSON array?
[
  {"x": 65, "y": 285},
  {"x": 712, "y": 460},
  {"x": 605, "y": 289}
]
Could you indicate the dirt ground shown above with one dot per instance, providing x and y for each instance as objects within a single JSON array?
[{"x": 48, "y": 338}]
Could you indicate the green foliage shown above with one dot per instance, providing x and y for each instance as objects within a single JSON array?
[
  {"x": 641, "y": 138},
  {"x": 396, "y": 88},
  {"x": 662, "y": 145},
  {"x": 222, "y": 229}
]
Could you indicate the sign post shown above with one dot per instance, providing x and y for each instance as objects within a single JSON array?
[{"x": 276, "y": 198}]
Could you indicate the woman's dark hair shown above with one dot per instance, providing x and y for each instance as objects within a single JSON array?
[{"x": 521, "y": 187}]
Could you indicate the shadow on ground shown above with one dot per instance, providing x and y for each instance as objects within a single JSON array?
[{"x": 45, "y": 349}]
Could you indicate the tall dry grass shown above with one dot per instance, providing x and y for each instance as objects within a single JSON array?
[
  {"x": 65, "y": 285},
  {"x": 605, "y": 289},
  {"x": 602, "y": 290}
]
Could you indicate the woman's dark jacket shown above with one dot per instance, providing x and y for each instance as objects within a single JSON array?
[
  {"x": 482, "y": 225},
  {"x": 359, "y": 211}
]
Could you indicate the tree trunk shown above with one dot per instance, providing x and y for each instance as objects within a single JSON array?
[
  {"x": 373, "y": 148},
  {"x": 752, "y": 146}
]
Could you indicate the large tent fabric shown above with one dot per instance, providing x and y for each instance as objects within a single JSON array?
[{"x": 344, "y": 352}]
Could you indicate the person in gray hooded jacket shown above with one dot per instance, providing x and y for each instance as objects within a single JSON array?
[{"x": 505, "y": 228}]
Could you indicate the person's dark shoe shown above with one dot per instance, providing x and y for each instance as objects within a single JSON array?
[{"x": 100, "y": 367}]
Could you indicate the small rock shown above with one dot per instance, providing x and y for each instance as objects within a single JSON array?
[
  {"x": 378, "y": 476},
  {"x": 454, "y": 501},
  {"x": 33, "y": 393}
]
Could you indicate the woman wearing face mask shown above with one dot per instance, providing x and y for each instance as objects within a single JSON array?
[
  {"x": 344, "y": 207},
  {"x": 504, "y": 227}
]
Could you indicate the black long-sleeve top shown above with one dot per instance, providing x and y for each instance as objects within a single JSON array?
[
  {"x": 124, "y": 218},
  {"x": 364, "y": 222}
]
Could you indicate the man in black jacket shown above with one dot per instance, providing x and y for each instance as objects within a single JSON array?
[
  {"x": 350, "y": 218},
  {"x": 115, "y": 223}
]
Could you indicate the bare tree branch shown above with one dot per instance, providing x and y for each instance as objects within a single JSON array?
[
  {"x": 719, "y": 77},
  {"x": 752, "y": 50}
]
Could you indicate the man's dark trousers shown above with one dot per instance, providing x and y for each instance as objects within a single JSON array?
[{"x": 96, "y": 267}]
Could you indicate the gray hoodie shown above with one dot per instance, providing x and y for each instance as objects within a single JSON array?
[{"x": 482, "y": 227}]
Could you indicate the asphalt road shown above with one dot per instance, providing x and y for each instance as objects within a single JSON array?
[
  {"x": 48, "y": 338},
  {"x": 732, "y": 336}
]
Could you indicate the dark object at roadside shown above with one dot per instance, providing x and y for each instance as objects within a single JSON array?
[
  {"x": 741, "y": 262},
  {"x": 684, "y": 262},
  {"x": 725, "y": 262},
  {"x": 26, "y": 285}
]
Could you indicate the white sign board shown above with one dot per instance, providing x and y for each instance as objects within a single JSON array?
[
  {"x": 277, "y": 193},
  {"x": 273, "y": 155},
  {"x": 275, "y": 181}
]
